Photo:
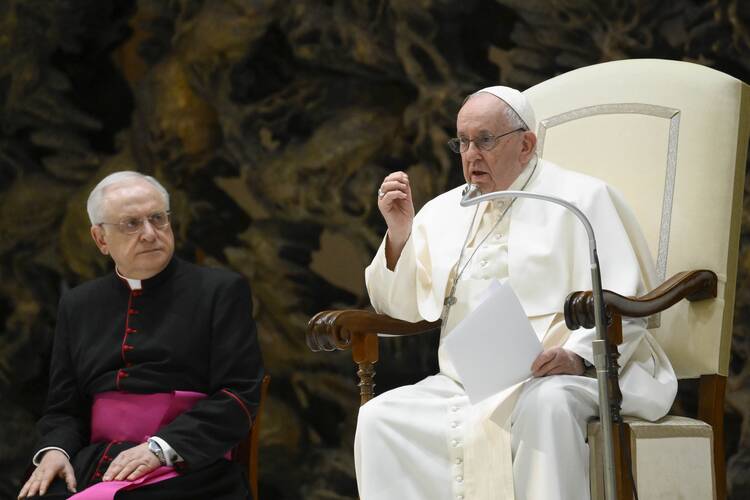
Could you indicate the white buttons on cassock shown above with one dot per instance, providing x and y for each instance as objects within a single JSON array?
[{"x": 454, "y": 433}]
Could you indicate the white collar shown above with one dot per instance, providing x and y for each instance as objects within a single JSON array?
[{"x": 134, "y": 284}]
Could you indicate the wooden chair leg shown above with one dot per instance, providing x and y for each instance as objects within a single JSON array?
[
  {"x": 365, "y": 354},
  {"x": 620, "y": 430},
  {"x": 711, "y": 391},
  {"x": 623, "y": 463},
  {"x": 246, "y": 452}
]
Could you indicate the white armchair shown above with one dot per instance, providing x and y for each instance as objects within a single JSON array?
[{"x": 672, "y": 137}]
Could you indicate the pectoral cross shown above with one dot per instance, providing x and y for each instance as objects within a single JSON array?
[{"x": 449, "y": 301}]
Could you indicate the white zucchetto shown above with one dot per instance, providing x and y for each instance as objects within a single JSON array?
[{"x": 515, "y": 100}]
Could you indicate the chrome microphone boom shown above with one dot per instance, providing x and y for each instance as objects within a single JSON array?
[{"x": 601, "y": 353}]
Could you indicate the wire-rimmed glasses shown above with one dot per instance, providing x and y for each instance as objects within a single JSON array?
[
  {"x": 132, "y": 225},
  {"x": 485, "y": 142}
]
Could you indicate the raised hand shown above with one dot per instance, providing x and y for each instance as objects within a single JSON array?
[{"x": 397, "y": 207}]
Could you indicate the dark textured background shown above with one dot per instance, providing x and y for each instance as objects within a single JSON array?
[{"x": 272, "y": 124}]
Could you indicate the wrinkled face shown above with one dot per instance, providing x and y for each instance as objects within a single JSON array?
[
  {"x": 494, "y": 170},
  {"x": 145, "y": 253}
]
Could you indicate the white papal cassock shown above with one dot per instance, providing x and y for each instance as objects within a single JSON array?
[{"x": 426, "y": 441}]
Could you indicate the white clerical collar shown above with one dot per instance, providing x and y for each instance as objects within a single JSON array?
[
  {"x": 134, "y": 284},
  {"x": 517, "y": 185}
]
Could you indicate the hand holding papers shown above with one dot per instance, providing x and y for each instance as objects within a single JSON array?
[{"x": 494, "y": 347}]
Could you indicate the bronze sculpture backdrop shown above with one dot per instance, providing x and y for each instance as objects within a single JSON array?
[{"x": 272, "y": 124}]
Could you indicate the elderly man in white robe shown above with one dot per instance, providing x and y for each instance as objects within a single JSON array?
[{"x": 427, "y": 441}]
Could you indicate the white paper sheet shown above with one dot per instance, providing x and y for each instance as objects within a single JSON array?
[{"x": 494, "y": 347}]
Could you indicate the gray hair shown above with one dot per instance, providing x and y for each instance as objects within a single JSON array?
[
  {"x": 95, "y": 203},
  {"x": 513, "y": 119}
]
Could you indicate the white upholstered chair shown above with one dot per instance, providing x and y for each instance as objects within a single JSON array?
[{"x": 672, "y": 137}]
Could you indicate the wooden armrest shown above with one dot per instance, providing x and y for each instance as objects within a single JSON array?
[
  {"x": 690, "y": 285},
  {"x": 331, "y": 330}
]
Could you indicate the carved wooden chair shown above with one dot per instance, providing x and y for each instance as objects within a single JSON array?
[
  {"x": 246, "y": 453},
  {"x": 672, "y": 138}
]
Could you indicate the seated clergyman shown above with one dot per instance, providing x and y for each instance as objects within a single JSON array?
[
  {"x": 156, "y": 370},
  {"x": 426, "y": 441}
]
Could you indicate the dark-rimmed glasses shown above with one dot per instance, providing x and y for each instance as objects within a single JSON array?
[
  {"x": 485, "y": 142},
  {"x": 132, "y": 225}
]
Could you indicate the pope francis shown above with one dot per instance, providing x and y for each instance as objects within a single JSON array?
[{"x": 427, "y": 441}]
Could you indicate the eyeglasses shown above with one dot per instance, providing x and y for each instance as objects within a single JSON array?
[
  {"x": 132, "y": 225},
  {"x": 485, "y": 142}
]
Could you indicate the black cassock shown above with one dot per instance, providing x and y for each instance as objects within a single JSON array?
[{"x": 189, "y": 328}]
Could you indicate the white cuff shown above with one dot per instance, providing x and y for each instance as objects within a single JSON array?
[
  {"x": 394, "y": 292},
  {"x": 170, "y": 456},
  {"x": 38, "y": 455}
]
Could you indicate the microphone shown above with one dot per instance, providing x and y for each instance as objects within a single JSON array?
[
  {"x": 472, "y": 196},
  {"x": 469, "y": 192}
]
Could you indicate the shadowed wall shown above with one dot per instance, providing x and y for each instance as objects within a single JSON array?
[{"x": 272, "y": 124}]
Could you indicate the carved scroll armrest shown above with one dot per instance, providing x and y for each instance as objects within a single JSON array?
[
  {"x": 690, "y": 285},
  {"x": 331, "y": 330}
]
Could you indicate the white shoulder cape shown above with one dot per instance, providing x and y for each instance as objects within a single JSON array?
[{"x": 548, "y": 253}]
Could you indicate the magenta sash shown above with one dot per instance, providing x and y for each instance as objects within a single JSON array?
[{"x": 120, "y": 416}]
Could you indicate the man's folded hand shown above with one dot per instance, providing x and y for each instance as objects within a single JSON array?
[
  {"x": 557, "y": 361},
  {"x": 131, "y": 464}
]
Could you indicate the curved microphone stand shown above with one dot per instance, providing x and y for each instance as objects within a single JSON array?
[{"x": 601, "y": 353}]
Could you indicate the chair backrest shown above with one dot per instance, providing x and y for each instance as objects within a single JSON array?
[{"x": 672, "y": 138}]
